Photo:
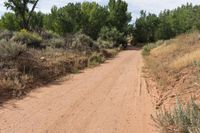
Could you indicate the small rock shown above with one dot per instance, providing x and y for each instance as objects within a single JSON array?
[{"x": 42, "y": 58}]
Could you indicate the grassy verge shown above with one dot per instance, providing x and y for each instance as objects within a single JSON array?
[{"x": 173, "y": 67}]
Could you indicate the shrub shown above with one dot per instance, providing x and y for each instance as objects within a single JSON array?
[
  {"x": 26, "y": 37},
  {"x": 105, "y": 44},
  {"x": 109, "y": 53},
  {"x": 96, "y": 58},
  {"x": 5, "y": 34},
  {"x": 49, "y": 35},
  {"x": 10, "y": 49},
  {"x": 15, "y": 86},
  {"x": 83, "y": 44},
  {"x": 180, "y": 120},
  {"x": 57, "y": 43},
  {"x": 112, "y": 35}
]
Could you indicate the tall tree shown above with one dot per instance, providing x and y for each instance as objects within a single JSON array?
[
  {"x": 96, "y": 17},
  {"x": 22, "y": 11},
  {"x": 119, "y": 16},
  {"x": 10, "y": 22}
]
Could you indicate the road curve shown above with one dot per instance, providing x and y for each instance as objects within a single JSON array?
[{"x": 110, "y": 98}]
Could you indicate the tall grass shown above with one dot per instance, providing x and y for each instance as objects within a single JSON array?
[
  {"x": 147, "y": 48},
  {"x": 186, "y": 60}
]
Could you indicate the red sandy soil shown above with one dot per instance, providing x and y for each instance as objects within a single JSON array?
[{"x": 111, "y": 98}]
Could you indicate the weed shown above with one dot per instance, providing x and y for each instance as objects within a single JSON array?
[{"x": 182, "y": 119}]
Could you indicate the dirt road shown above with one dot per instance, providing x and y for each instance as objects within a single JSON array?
[{"x": 110, "y": 98}]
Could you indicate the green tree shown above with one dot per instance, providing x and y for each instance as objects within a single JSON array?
[
  {"x": 119, "y": 16},
  {"x": 9, "y": 21},
  {"x": 96, "y": 17},
  {"x": 21, "y": 10},
  {"x": 67, "y": 19},
  {"x": 37, "y": 21},
  {"x": 145, "y": 27}
]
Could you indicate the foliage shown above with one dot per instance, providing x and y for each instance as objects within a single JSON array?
[
  {"x": 119, "y": 16},
  {"x": 96, "y": 58},
  {"x": 9, "y": 21},
  {"x": 6, "y": 34},
  {"x": 29, "y": 38},
  {"x": 83, "y": 43},
  {"x": 64, "y": 20},
  {"x": 145, "y": 27},
  {"x": 180, "y": 119},
  {"x": 10, "y": 50},
  {"x": 21, "y": 10},
  {"x": 37, "y": 21},
  {"x": 88, "y": 17},
  {"x": 168, "y": 24},
  {"x": 113, "y": 36},
  {"x": 57, "y": 43},
  {"x": 49, "y": 35}
]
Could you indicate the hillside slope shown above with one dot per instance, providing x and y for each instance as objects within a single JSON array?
[{"x": 174, "y": 66}]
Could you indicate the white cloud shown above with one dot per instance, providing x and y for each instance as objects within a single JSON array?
[{"x": 153, "y": 6}]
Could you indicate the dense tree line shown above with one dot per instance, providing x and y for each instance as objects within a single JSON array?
[
  {"x": 87, "y": 17},
  {"x": 169, "y": 23}
]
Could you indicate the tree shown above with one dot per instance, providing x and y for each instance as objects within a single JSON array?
[
  {"x": 167, "y": 24},
  {"x": 9, "y": 21},
  {"x": 119, "y": 16},
  {"x": 22, "y": 11},
  {"x": 96, "y": 18},
  {"x": 145, "y": 27},
  {"x": 37, "y": 21},
  {"x": 67, "y": 19}
]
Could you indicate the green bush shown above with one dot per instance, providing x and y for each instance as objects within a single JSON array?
[
  {"x": 83, "y": 43},
  {"x": 29, "y": 38},
  {"x": 112, "y": 35},
  {"x": 10, "y": 49},
  {"x": 180, "y": 120}
]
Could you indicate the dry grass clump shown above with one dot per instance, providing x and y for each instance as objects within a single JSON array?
[
  {"x": 165, "y": 49},
  {"x": 147, "y": 48},
  {"x": 186, "y": 60}
]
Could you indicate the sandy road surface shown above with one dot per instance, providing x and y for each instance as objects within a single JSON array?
[{"x": 110, "y": 98}]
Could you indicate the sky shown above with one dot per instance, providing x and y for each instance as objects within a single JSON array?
[{"x": 135, "y": 6}]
